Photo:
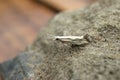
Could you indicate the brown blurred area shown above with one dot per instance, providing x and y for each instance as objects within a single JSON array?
[
  {"x": 21, "y": 20},
  {"x": 68, "y": 5}
]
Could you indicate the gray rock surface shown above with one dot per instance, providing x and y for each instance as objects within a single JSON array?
[{"x": 48, "y": 59}]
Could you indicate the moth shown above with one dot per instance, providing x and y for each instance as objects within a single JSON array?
[{"x": 75, "y": 40}]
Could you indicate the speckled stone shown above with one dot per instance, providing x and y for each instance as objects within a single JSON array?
[{"x": 47, "y": 59}]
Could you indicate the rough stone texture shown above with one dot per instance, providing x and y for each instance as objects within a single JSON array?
[{"x": 47, "y": 59}]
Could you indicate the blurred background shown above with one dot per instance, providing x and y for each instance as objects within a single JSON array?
[{"x": 21, "y": 20}]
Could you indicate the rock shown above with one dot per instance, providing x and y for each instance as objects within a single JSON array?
[{"x": 48, "y": 59}]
